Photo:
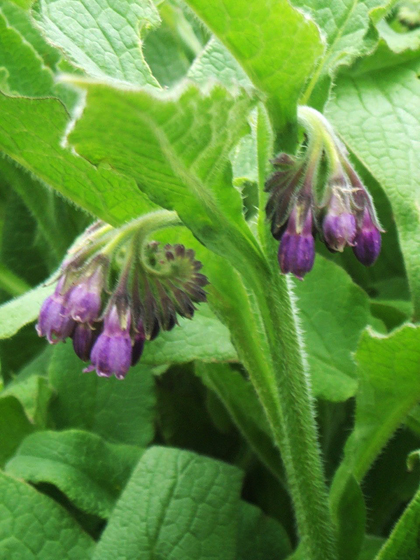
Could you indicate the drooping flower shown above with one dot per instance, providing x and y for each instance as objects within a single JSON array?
[
  {"x": 112, "y": 351},
  {"x": 339, "y": 223},
  {"x": 297, "y": 245},
  {"x": 367, "y": 243},
  {"x": 84, "y": 299},
  {"x": 154, "y": 285},
  {"x": 53, "y": 321},
  {"x": 340, "y": 207}
]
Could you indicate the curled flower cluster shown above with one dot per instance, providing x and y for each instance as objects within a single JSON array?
[
  {"x": 337, "y": 206},
  {"x": 109, "y": 316}
]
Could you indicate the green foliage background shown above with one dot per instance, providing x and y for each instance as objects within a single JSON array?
[{"x": 113, "y": 108}]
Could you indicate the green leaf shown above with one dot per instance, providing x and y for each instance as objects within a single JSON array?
[
  {"x": 403, "y": 543},
  {"x": 169, "y": 48},
  {"x": 177, "y": 505},
  {"x": 92, "y": 403},
  {"x": 189, "y": 418},
  {"x": 21, "y": 249},
  {"x": 23, "y": 310},
  {"x": 351, "y": 520},
  {"x": 215, "y": 62},
  {"x": 260, "y": 537},
  {"x": 34, "y": 393},
  {"x": 56, "y": 220},
  {"x": 238, "y": 396},
  {"x": 102, "y": 38},
  {"x": 388, "y": 369},
  {"x": 25, "y": 72},
  {"x": 19, "y": 17},
  {"x": 14, "y": 426},
  {"x": 34, "y": 527},
  {"x": 203, "y": 338},
  {"x": 390, "y": 485},
  {"x": 384, "y": 134},
  {"x": 259, "y": 35},
  {"x": 393, "y": 49},
  {"x": 31, "y": 134},
  {"x": 177, "y": 150},
  {"x": 346, "y": 26},
  {"x": 333, "y": 311},
  {"x": 371, "y": 547},
  {"x": 91, "y": 472}
]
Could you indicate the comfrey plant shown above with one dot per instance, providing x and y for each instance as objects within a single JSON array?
[
  {"x": 251, "y": 132},
  {"x": 335, "y": 203},
  {"x": 110, "y": 314}
]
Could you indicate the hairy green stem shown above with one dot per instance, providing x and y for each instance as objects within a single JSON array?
[
  {"x": 283, "y": 385},
  {"x": 287, "y": 401}
]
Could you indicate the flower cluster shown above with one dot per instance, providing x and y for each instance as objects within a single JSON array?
[
  {"x": 109, "y": 316},
  {"x": 309, "y": 197}
]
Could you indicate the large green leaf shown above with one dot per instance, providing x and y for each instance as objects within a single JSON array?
[
  {"x": 170, "y": 48},
  {"x": 346, "y": 26},
  {"x": 393, "y": 48},
  {"x": 23, "y": 310},
  {"x": 215, "y": 62},
  {"x": 91, "y": 472},
  {"x": 14, "y": 426},
  {"x": 203, "y": 338},
  {"x": 259, "y": 34},
  {"x": 260, "y": 537},
  {"x": 333, "y": 311},
  {"x": 388, "y": 369},
  {"x": 31, "y": 134},
  {"x": 101, "y": 37},
  {"x": 34, "y": 527},
  {"x": 92, "y": 403},
  {"x": 34, "y": 394},
  {"x": 177, "y": 149},
  {"x": 57, "y": 221},
  {"x": 177, "y": 505},
  {"x": 384, "y": 133},
  {"x": 25, "y": 73},
  {"x": 19, "y": 17}
]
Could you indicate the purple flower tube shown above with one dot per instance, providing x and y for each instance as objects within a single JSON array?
[
  {"x": 112, "y": 352},
  {"x": 53, "y": 321},
  {"x": 297, "y": 246}
]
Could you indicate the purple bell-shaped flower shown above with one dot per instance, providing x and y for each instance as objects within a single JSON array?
[
  {"x": 111, "y": 353},
  {"x": 297, "y": 246},
  {"x": 53, "y": 321},
  {"x": 367, "y": 243},
  {"x": 339, "y": 224},
  {"x": 84, "y": 299}
]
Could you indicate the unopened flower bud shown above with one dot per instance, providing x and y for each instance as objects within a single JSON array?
[
  {"x": 367, "y": 243},
  {"x": 111, "y": 353},
  {"x": 138, "y": 343},
  {"x": 297, "y": 246},
  {"x": 84, "y": 337},
  {"x": 54, "y": 322}
]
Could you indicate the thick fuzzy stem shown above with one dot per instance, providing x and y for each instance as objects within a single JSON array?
[{"x": 285, "y": 395}]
